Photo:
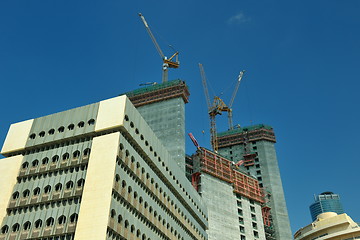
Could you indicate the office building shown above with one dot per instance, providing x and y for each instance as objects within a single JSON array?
[
  {"x": 94, "y": 172},
  {"x": 326, "y": 202}
]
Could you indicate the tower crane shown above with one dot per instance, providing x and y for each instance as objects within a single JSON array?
[
  {"x": 231, "y": 126},
  {"x": 217, "y": 107},
  {"x": 172, "y": 62}
]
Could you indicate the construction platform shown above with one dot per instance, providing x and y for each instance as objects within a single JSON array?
[
  {"x": 240, "y": 135},
  {"x": 159, "y": 92}
]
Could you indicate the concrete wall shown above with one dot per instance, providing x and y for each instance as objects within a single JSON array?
[
  {"x": 167, "y": 120},
  {"x": 222, "y": 211}
]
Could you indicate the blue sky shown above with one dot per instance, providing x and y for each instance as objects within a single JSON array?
[{"x": 301, "y": 59}]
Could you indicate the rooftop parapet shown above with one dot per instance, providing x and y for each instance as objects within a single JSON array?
[
  {"x": 252, "y": 133},
  {"x": 159, "y": 92}
]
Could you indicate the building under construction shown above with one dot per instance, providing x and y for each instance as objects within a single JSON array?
[
  {"x": 234, "y": 200},
  {"x": 163, "y": 107},
  {"x": 254, "y": 147},
  {"x": 53, "y": 190}
]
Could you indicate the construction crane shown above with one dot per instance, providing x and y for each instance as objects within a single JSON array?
[
  {"x": 231, "y": 126},
  {"x": 217, "y": 107},
  {"x": 172, "y": 62}
]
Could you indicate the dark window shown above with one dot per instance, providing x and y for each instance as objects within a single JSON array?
[
  {"x": 62, "y": 219},
  {"x": 91, "y": 122},
  {"x": 51, "y": 131},
  {"x": 38, "y": 223},
  {"x": 81, "y": 124},
  {"x": 42, "y": 134},
  {"x": 50, "y": 222},
  {"x": 61, "y": 129}
]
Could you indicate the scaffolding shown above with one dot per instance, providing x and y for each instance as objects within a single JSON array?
[
  {"x": 159, "y": 92},
  {"x": 221, "y": 168}
]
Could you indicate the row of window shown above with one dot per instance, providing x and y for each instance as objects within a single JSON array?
[
  {"x": 151, "y": 194},
  {"x": 66, "y": 156},
  {"x": 47, "y": 189},
  {"x": 39, "y": 223},
  {"x": 62, "y": 129},
  {"x": 163, "y": 164},
  {"x": 149, "y": 223}
]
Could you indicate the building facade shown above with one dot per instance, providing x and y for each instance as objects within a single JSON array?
[
  {"x": 255, "y": 146},
  {"x": 94, "y": 172},
  {"x": 330, "y": 226},
  {"x": 234, "y": 199},
  {"x": 326, "y": 202},
  {"x": 163, "y": 108}
]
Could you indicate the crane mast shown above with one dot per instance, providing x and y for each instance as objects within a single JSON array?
[
  {"x": 231, "y": 125},
  {"x": 217, "y": 107},
  {"x": 167, "y": 62}
]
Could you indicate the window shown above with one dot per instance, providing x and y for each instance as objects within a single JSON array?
[
  {"x": 35, "y": 163},
  {"x": 32, "y": 136},
  {"x": 47, "y": 189},
  {"x": 254, "y": 148},
  {"x": 71, "y": 127},
  {"x": 76, "y": 154},
  {"x": 254, "y": 225},
  {"x": 241, "y": 220},
  {"x": 62, "y": 219},
  {"x": 25, "y": 165},
  {"x": 259, "y": 178},
  {"x": 45, "y": 161},
  {"x": 5, "y": 229},
  {"x": 256, "y": 234},
  {"x": 242, "y": 237},
  {"x": 42, "y": 134},
  {"x": 74, "y": 218},
  {"x": 51, "y": 131},
  {"x": 16, "y": 227},
  {"x": 61, "y": 129},
  {"x": 36, "y": 191},
  {"x": 91, "y": 122},
  {"x": 87, "y": 152},
  {"x": 27, "y": 226},
  {"x": 26, "y": 193},
  {"x": 38, "y": 223},
  {"x": 81, "y": 124},
  {"x": 66, "y": 156},
  {"x": 55, "y": 158},
  {"x": 15, "y": 195},
  {"x": 112, "y": 213},
  {"x": 80, "y": 182},
  {"x": 242, "y": 229},
  {"x": 253, "y": 217},
  {"x": 50, "y": 222},
  {"x": 258, "y": 172},
  {"x": 69, "y": 185},
  {"x": 252, "y": 209},
  {"x": 240, "y": 212},
  {"x": 58, "y": 187},
  {"x": 257, "y": 165},
  {"x": 119, "y": 219}
]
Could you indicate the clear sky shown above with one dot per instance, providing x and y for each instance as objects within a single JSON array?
[{"x": 301, "y": 58}]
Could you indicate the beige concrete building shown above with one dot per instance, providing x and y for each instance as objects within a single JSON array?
[
  {"x": 330, "y": 226},
  {"x": 91, "y": 173}
]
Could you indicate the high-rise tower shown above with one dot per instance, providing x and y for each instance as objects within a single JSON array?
[
  {"x": 255, "y": 146},
  {"x": 326, "y": 202},
  {"x": 163, "y": 108}
]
